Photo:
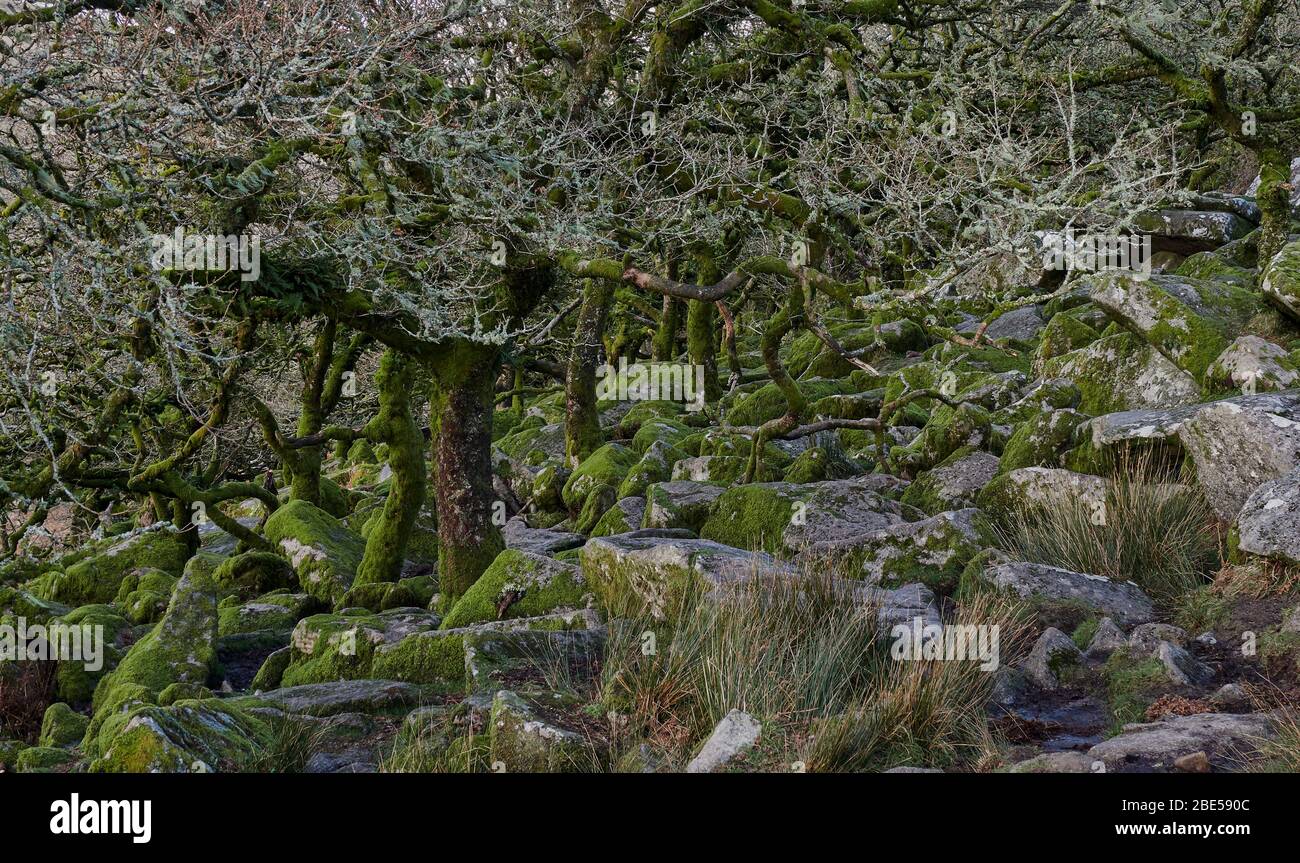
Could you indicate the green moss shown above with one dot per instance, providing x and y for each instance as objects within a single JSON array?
[
  {"x": 768, "y": 402},
  {"x": 811, "y": 465},
  {"x": 752, "y": 517},
  {"x": 598, "y": 502},
  {"x": 183, "y": 692},
  {"x": 99, "y": 575},
  {"x": 1132, "y": 684},
  {"x": 188, "y": 736},
  {"x": 62, "y": 726},
  {"x": 606, "y": 466},
  {"x": 539, "y": 584},
  {"x": 180, "y": 649},
  {"x": 947, "y": 431},
  {"x": 1083, "y": 633},
  {"x": 1038, "y": 441},
  {"x": 42, "y": 759},
  {"x": 253, "y": 574},
  {"x": 323, "y": 552},
  {"x": 429, "y": 657},
  {"x": 1064, "y": 333},
  {"x": 655, "y": 466},
  {"x": 275, "y": 612}
]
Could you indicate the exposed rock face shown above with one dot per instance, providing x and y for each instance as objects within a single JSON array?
[
  {"x": 323, "y": 552},
  {"x": 1154, "y": 746},
  {"x": 1252, "y": 364},
  {"x": 1237, "y": 447},
  {"x": 1189, "y": 321},
  {"x": 680, "y": 504},
  {"x": 1053, "y": 653},
  {"x": 518, "y": 535},
  {"x": 1188, "y": 231},
  {"x": 733, "y": 736},
  {"x": 1124, "y": 601},
  {"x": 1280, "y": 280},
  {"x": 787, "y": 517},
  {"x": 932, "y": 551},
  {"x": 1122, "y": 372},
  {"x": 656, "y": 566},
  {"x": 952, "y": 484},
  {"x": 1269, "y": 522}
]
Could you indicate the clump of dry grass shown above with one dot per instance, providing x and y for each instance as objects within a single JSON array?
[
  {"x": 1149, "y": 529},
  {"x": 801, "y": 653},
  {"x": 923, "y": 713}
]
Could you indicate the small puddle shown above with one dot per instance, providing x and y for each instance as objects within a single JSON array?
[{"x": 1056, "y": 723}]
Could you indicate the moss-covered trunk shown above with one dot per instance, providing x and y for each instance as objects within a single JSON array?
[
  {"x": 461, "y": 416},
  {"x": 1274, "y": 203},
  {"x": 395, "y": 425},
  {"x": 582, "y": 421},
  {"x": 664, "y": 346},
  {"x": 306, "y": 464},
  {"x": 701, "y": 329}
]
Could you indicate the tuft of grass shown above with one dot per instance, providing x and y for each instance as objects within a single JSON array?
[
  {"x": 1201, "y": 610},
  {"x": 447, "y": 746},
  {"x": 784, "y": 649},
  {"x": 922, "y": 713},
  {"x": 1150, "y": 530},
  {"x": 1279, "y": 753},
  {"x": 291, "y": 745}
]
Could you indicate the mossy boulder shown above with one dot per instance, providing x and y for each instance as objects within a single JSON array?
[
  {"x": 524, "y": 739},
  {"x": 1064, "y": 333},
  {"x": 648, "y": 410},
  {"x": 380, "y": 596},
  {"x": 1280, "y": 280},
  {"x": 656, "y": 465},
  {"x": 1122, "y": 372},
  {"x": 768, "y": 402},
  {"x": 518, "y": 584},
  {"x": 342, "y": 646},
  {"x": 43, "y": 759},
  {"x": 278, "y": 612},
  {"x": 204, "y": 736},
  {"x": 953, "y": 483},
  {"x": 181, "y": 648},
  {"x": 534, "y": 444},
  {"x": 679, "y": 504},
  {"x": 664, "y": 431},
  {"x": 143, "y": 594},
  {"x": 948, "y": 430},
  {"x": 724, "y": 469},
  {"x": 606, "y": 466},
  {"x": 597, "y": 503},
  {"x": 98, "y": 576},
  {"x": 1190, "y": 321},
  {"x": 933, "y": 552},
  {"x": 62, "y": 726},
  {"x": 75, "y": 680},
  {"x": 323, "y": 552},
  {"x": 253, "y": 574},
  {"x": 625, "y": 515},
  {"x": 1251, "y": 364},
  {"x": 1041, "y": 440},
  {"x": 782, "y": 517}
]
